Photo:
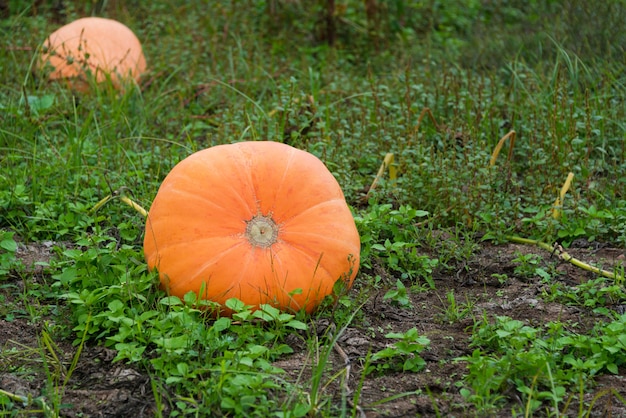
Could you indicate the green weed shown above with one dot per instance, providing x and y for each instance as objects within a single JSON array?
[
  {"x": 8, "y": 247},
  {"x": 403, "y": 355},
  {"x": 453, "y": 311}
]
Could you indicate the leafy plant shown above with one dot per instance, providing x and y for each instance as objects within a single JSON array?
[
  {"x": 391, "y": 235},
  {"x": 530, "y": 265},
  {"x": 403, "y": 355},
  {"x": 399, "y": 295},
  {"x": 484, "y": 380},
  {"x": 8, "y": 247},
  {"x": 540, "y": 363},
  {"x": 598, "y": 294}
]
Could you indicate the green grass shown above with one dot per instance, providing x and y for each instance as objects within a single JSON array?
[{"x": 220, "y": 73}]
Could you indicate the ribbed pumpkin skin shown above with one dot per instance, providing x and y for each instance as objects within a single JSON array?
[
  {"x": 104, "y": 47},
  {"x": 196, "y": 231}
]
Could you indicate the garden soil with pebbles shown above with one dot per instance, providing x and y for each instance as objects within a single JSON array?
[{"x": 100, "y": 388}]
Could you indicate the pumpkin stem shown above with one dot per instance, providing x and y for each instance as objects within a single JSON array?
[
  {"x": 560, "y": 252},
  {"x": 262, "y": 231}
]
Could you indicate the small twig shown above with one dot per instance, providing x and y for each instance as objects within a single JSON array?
[{"x": 563, "y": 255}]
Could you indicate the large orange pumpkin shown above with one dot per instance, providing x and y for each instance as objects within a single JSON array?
[
  {"x": 259, "y": 221},
  {"x": 93, "y": 46}
]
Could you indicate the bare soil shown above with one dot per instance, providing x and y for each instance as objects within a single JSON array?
[{"x": 100, "y": 388}]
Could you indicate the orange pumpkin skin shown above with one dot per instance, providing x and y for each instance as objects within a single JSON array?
[
  {"x": 103, "y": 47},
  {"x": 259, "y": 221}
]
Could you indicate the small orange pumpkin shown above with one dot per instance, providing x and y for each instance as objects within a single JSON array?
[
  {"x": 102, "y": 48},
  {"x": 259, "y": 221}
]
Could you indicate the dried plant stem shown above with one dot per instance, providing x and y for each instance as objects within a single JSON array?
[
  {"x": 387, "y": 164},
  {"x": 558, "y": 203},
  {"x": 496, "y": 150},
  {"x": 124, "y": 199},
  {"x": 135, "y": 206},
  {"x": 563, "y": 255}
]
